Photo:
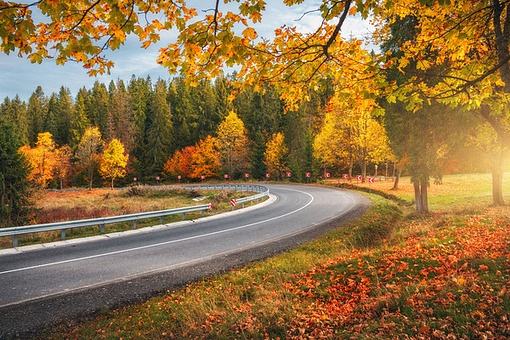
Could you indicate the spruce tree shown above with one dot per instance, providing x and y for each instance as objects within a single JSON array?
[{"x": 14, "y": 187}]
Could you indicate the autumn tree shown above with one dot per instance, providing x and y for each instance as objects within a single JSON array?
[
  {"x": 274, "y": 157},
  {"x": 88, "y": 153},
  {"x": 331, "y": 145},
  {"x": 171, "y": 166},
  {"x": 462, "y": 59},
  {"x": 14, "y": 185},
  {"x": 113, "y": 161},
  {"x": 43, "y": 159},
  {"x": 206, "y": 160},
  {"x": 460, "y": 53},
  {"x": 233, "y": 144},
  {"x": 63, "y": 157},
  {"x": 262, "y": 113}
]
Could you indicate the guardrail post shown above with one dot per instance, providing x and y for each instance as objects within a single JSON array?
[
  {"x": 63, "y": 234},
  {"x": 160, "y": 219},
  {"x": 14, "y": 241},
  {"x": 101, "y": 228},
  {"x": 134, "y": 224},
  {"x": 183, "y": 216}
]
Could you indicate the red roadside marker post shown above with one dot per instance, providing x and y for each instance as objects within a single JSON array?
[{"x": 370, "y": 181}]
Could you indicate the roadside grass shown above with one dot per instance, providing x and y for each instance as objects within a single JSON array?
[
  {"x": 388, "y": 274},
  {"x": 84, "y": 204}
]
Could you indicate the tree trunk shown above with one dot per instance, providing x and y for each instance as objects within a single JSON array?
[
  {"x": 421, "y": 197},
  {"x": 497, "y": 179},
  {"x": 364, "y": 166},
  {"x": 397, "y": 179}
]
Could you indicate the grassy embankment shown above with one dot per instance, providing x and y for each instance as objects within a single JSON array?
[
  {"x": 389, "y": 274},
  {"x": 84, "y": 204}
]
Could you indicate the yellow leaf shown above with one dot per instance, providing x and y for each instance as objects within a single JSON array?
[{"x": 250, "y": 33}]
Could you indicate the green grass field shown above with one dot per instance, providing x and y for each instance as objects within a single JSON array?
[{"x": 389, "y": 274}]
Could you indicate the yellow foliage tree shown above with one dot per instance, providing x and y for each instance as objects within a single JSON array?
[
  {"x": 114, "y": 161},
  {"x": 233, "y": 144},
  {"x": 274, "y": 157},
  {"x": 206, "y": 160},
  {"x": 88, "y": 152},
  {"x": 43, "y": 159},
  {"x": 63, "y": 154}
]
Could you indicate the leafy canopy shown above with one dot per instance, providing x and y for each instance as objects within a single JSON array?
[{"x": 461, "y": 49}]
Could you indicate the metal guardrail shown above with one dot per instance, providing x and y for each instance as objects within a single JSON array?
[
  {"x": 263, "y": 191},
  {"x": 102, "y": 221}
]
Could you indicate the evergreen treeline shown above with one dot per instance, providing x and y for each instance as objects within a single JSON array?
[{"x": 154, "y": 119}]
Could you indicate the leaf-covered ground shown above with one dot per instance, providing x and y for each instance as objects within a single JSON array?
[
  {"x": 450, "y": 282},
  {"x": 390, "y": 274}
]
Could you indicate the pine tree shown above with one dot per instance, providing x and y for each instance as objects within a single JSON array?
[
  {"x": 120, "y": 118},
  {"x": 159, "y": 132},
  {"x": 97, "y": 107},
  {"x": 36, "y": 110},
  {"x": 139, "y": 90},
  {"x": 14, "y": 187},
  {"x": 80, "y": 121}
]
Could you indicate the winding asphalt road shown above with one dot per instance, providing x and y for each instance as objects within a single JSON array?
[{"x": 66, "y": 280}]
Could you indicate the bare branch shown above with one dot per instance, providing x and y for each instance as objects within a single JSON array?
[{"x": 337, "y": 28}]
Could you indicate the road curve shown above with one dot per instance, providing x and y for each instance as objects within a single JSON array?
[{"x": 67, "y": 280}]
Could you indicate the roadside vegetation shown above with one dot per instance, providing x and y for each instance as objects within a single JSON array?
[
  {"x": 389, "y": 274},
  {"x": 78, "y": 204}
]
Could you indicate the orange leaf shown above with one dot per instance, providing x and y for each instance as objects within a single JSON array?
[{"x": 483, "y": 268}]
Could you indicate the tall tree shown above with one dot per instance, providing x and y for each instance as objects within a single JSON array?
[
  {"x": 419, "y": 132},
  {"x": 65, "y": 113},
  {"x": 206, "y": 160},
  {"x": 14, "y": 186},
  {"x": 120, "y": 124},
  {"x": 42, "y": 158},
  {"x": 139, "y": 90},
  {"x": 36, "y": 110},
  {"x": 276, "y": 152},
  {"x": 15, "y": 112},
  {"x": 159, "y": 132},
  {"x": 97, "y": 107},
  {"x": 63, "y": 170},
  {"x": 113, "y": 161},
  {"x": 233, "y": 145},
  {"x": 184, "y": 117},
  {"x": 88, "y": 153},
  {"x": 80, "y": 121}
]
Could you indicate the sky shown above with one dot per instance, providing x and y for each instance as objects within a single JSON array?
[{"x": 20, "y": 77}]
